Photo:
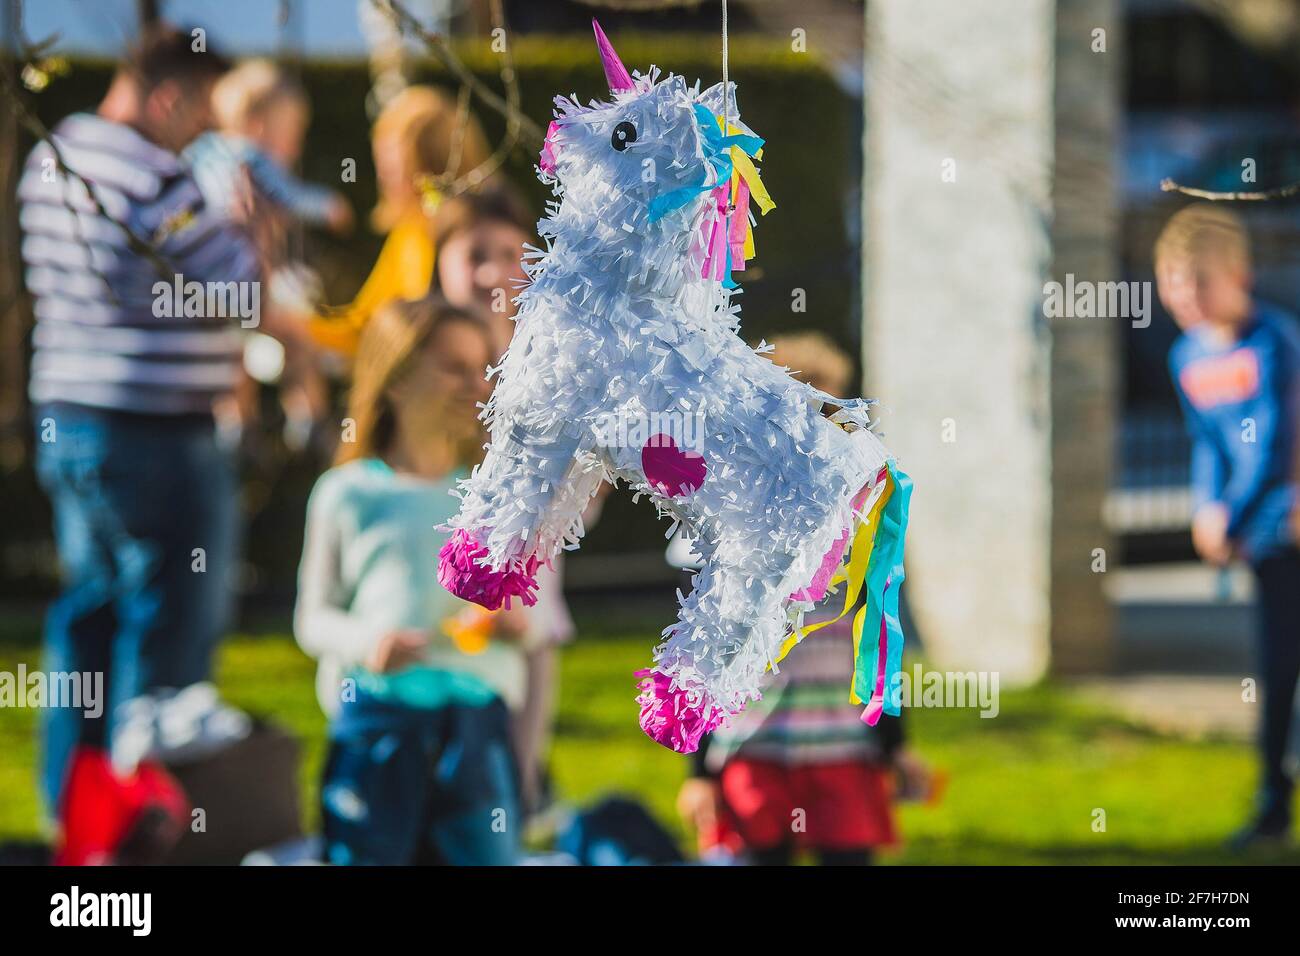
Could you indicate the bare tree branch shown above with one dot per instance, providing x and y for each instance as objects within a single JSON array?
[
  {"x": 437, "y": 44},
  {"x": 148, "y": 11},
  {"x": 483, "y": 170},
  {"x": 1289, "y": 191}
]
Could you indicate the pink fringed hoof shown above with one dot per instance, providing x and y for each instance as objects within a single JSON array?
[
  {"x": 670, "y": 719},
  {"x": 461, "y": 572}
]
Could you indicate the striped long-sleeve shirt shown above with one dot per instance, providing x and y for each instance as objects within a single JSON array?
[
  {"x": 804, "y": 717},
  {"x": 111, "y": 332}
]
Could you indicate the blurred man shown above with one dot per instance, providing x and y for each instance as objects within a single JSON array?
[{"x": 124, "y": 374}]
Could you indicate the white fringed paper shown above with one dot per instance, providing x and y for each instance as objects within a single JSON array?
[{"x": 617, "y": 334}]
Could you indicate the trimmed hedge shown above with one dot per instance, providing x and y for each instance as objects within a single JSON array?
[{"x": 786, "y": 97}]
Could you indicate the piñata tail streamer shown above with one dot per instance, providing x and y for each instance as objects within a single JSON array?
[{"x": 876, "y": 660}]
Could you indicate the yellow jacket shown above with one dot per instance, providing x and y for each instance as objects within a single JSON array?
[{"x": 404, "y": 270}]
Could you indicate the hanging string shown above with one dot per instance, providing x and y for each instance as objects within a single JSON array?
[
  {"x": 726, "y": 128},
  {"x": 726, "y": 117}
]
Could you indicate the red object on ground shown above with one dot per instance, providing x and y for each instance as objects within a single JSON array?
[{"x": 110, "y": 819}]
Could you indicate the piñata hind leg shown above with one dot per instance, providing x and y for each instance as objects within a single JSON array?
[{"x": 712, "y": 660}]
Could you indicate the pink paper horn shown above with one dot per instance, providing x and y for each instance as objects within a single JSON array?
[{"x": 620, "y": 80}]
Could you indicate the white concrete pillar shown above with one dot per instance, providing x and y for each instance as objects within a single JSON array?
[{"x": 961, "y": 130}]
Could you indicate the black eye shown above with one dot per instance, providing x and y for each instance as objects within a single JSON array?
[{"x": 623, "y": 134}]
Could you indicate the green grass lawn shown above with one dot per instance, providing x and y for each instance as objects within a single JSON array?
[{"x": 1024, "y": 786}]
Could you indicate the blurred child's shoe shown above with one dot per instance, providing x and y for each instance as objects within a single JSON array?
[
  {"x": 175, "y": 726},
  {"x": 1265, "y": 831},
  {"x": 195, "y": 723}
]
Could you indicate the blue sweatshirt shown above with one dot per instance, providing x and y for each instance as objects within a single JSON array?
[{"x": 1240, "y": 401}]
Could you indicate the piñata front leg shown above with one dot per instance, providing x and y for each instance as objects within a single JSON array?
[{"x": 518, "y": 508}]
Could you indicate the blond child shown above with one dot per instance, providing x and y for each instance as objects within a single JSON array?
[
  {"x": 261, "y": 117},
  {"x": 480, "y": 238},
  {"x": 1236, "y": 369}
]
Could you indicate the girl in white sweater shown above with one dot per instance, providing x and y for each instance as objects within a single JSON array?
[{"x": 417, "y": 683}]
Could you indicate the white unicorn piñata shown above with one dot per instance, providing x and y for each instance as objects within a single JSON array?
[{"x": 626, "y": 365}]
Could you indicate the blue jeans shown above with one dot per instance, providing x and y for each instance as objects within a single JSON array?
[
  {"x": 407, "y": 785},
  {"x": 133, "y": 496}
]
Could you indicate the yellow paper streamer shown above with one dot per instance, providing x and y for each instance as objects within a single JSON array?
[
  {"x": 858, "y": 620},
  {"x": 743, "y": 168},
  {"x": 747, "y": 171}
]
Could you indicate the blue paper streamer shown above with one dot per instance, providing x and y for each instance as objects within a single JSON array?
[{"x": 717, "y": 154}]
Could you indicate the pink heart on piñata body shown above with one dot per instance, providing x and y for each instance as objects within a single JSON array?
[{"x": 669, "y": 470}]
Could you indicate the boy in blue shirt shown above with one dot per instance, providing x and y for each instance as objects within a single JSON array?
[{"x": 1236, "y": 368}]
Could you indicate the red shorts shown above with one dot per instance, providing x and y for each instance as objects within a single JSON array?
[{"x": 838, "y": 806}]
